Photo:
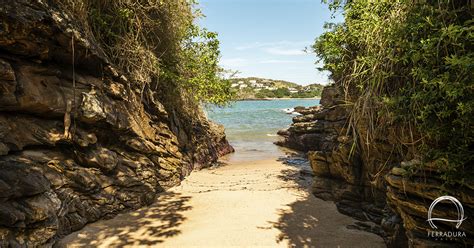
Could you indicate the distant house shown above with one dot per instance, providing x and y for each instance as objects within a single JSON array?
[
  {"x": 243, "y": 86},
  {"x": 256, "y": 85},
  {"x": 241, "y": 82},
  {"x": 293, "y": 90},
  {"x": 234, "y": 85},
  {"x": 253, "y": 81}
]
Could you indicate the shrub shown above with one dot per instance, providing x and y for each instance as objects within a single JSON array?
[
  {"x": 157, "y": 44},
  {"x": 409, "y": 64}
]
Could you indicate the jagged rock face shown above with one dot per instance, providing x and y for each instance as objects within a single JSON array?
[
  {"x": 412, "y": 196},
  {"x": 341, "y": 176},
  {"x": 322, "y": 132},
  {"x": 77, "y": 147},
  {"x": 361, "y": 180}
]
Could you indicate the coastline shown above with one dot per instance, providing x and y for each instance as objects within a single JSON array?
[{"x": 272, "y": 99}]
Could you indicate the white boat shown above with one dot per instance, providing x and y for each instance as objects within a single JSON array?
[{"x": 289, "y": 110}]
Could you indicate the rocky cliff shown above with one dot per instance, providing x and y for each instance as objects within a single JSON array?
[
  {"x": 370, "y": 183},
  {"x": 79, "y": 141}
]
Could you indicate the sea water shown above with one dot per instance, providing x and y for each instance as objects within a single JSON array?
[{"x": 251, "y": 126}]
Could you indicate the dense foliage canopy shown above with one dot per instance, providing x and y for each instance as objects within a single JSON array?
[
  {"x": 409, "y": 64},
  {"x": 157, "y": 44}
]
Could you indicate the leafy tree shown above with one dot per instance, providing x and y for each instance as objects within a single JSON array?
[
  {"x": 409, "y": 64},
  {"x": 158, "y": 45},
  {"x": 282, "y": 92}
]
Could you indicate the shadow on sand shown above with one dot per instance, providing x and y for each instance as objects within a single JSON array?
[
  {"x": 299, "y": 172},
  {"x": 144, "y": 227},
  {"x": 312, "y": 222},
  {"x": 298, "y": 223}
]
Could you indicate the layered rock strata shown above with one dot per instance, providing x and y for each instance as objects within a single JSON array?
[
  {"x": 78, "y": 140},
  {"x": 370, "y": 183}
]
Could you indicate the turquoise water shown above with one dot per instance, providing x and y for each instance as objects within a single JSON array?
[{"x": 251, "y": 126}]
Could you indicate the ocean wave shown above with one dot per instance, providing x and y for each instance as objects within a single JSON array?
[{"x": 272, "y": 135}]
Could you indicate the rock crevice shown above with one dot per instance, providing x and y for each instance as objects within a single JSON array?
[{"x": 373, "y": 184}]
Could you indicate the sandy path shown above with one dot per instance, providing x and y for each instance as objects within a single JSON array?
[{"x": 252, "y": 204}]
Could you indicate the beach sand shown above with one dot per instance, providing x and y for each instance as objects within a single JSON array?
[{"x": 262, "y": 203}]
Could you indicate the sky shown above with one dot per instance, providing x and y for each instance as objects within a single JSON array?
[{"x": 266, "y": 38}]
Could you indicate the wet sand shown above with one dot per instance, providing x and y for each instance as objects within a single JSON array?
[{"x": 262, "y": 203}]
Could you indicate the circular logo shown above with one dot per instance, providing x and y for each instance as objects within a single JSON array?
[{"x": 456, "y": 203}]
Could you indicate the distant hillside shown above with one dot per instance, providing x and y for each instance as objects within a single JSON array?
[{"x": 260, "y": 88}]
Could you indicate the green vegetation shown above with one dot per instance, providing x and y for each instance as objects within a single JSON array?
[
  {"x": 278, "y": 93},
  {"x": 158, "y": 45},
  {"x": 410, "y": 65},
  {"x": 284, "y": 92},
  {"x": 251, "y": 88}
]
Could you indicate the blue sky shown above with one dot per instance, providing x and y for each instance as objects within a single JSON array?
[{"x": 266, "y": 38}]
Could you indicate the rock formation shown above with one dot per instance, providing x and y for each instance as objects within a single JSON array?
[
  {"x": 78, "y": 140},
  {"x": 368, "y": 182}
]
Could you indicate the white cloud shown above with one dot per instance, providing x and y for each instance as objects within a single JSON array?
[
  {"x": 278, "y": 61},
  {"x": 284, "y": 51},
  {"x": 247, "y": 46},
  {"x": 283, "y": 47},
  {"x": 233, "y": 62},
  {"x": 280, "y": 43}
]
